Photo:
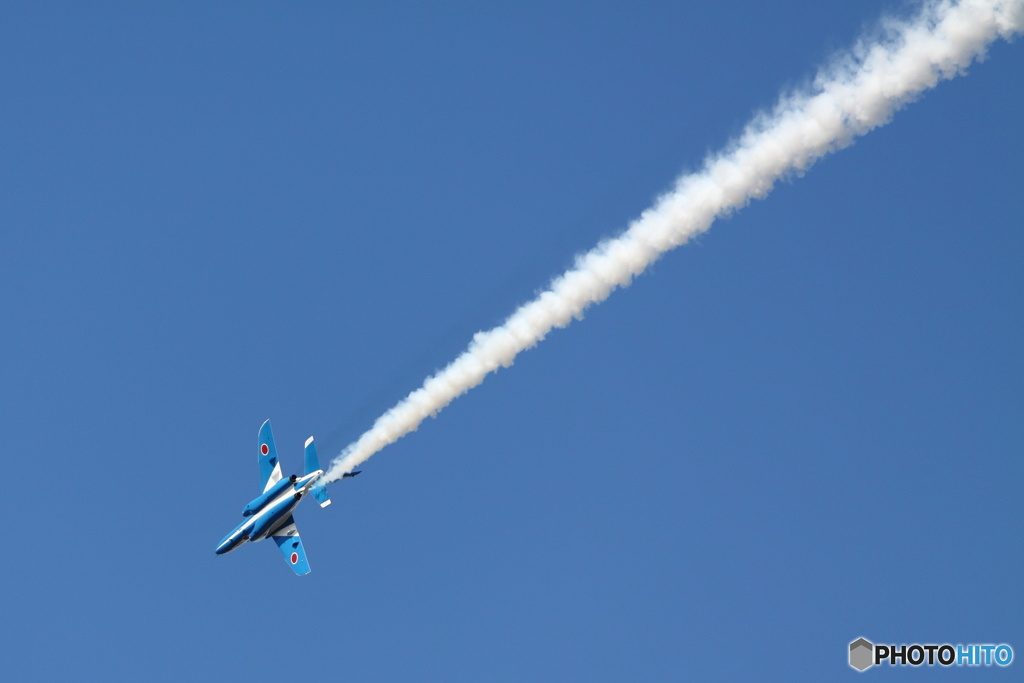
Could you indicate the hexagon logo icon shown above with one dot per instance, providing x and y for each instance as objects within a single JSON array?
[{"x": 862, "y": 654}]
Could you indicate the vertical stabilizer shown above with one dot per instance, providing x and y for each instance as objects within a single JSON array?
[
  {"x": 312, "y": 465},
  {"x": 312, "y": 462}
]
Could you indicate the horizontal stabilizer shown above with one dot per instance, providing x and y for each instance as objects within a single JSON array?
[{"x": 321, "y": 495}]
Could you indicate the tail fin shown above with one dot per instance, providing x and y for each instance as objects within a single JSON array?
[
  {"x": 312, "y": 462},
  {"x": 312, "y": 465}
]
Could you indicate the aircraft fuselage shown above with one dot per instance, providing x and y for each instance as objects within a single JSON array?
[{"x": 269, "y": 511}]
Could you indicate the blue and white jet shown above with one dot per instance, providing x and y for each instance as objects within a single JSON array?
[{"x": 269, "y": 515}]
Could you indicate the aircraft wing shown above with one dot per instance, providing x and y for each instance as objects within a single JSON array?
[
  {"x": 270, "y": 468},
  {"x": 288, "y": 540}
]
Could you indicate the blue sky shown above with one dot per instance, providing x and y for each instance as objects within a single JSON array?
[{"x": 803, "y": 428}]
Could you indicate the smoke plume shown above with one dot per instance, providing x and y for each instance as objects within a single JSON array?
[{"x": 857, "y": 92}]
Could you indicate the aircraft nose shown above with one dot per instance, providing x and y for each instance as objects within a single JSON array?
[{"x": 224, "y": 546}]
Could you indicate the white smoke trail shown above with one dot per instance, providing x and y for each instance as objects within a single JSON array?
[{"x": 859, "y": 91}]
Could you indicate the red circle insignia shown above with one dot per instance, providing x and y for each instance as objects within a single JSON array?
[
  {"x": 264, "y": 449},
  {"x": 295, "y": 558}
]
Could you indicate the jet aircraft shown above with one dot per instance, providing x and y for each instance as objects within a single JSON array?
[{"x": 269, "y": 515}]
